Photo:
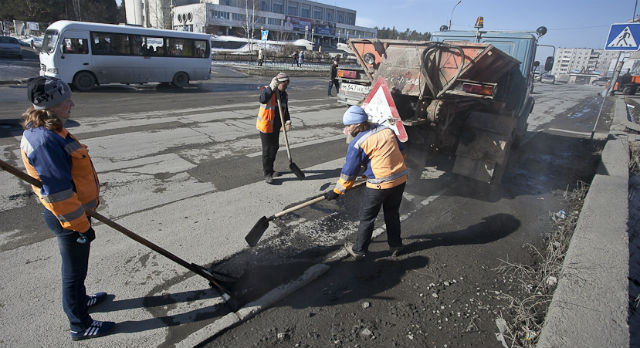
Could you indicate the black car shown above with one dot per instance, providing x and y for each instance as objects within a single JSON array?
[{"x": 10, "y": 46}]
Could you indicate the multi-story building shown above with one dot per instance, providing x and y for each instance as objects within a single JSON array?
[
  {"x": 284, "y": 19},
  {"x": 583, "y": 61}
]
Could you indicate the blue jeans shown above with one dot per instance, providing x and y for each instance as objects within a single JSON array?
[
  {"x": 390, "y": 200},
  {"x": 75, "y": 261}
]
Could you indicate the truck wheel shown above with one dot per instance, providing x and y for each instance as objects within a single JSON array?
[
  {"x": 180, "y": 79},
  {"x": 84, "y": 81}
]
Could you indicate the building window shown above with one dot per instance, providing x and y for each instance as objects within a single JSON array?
[
  {"x": 238, "y": 17},
  {"x": 275, "y": 21},
  {"x": 329, "y": 15},
  {"x": 305, "y": 11},
  {"x": 225, "y": 2},
  {"x": 351, "y": 18},
  {"x": 277, "y": 7},
  {"x": 264, "y": 6},
  {"x": 317, "y": 13},
  {"x": 220, "y": 14},
  {"x": 260, "y": 20},
  {"x": 340, "y": 18},
  {"x": 292, "y": 9}
]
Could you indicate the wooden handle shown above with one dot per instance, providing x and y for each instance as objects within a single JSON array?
[
  {"x": 308, "y": 203},
  {"x": 284, "y": 130}
]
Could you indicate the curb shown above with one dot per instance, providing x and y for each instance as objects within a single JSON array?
[
  {"x": 590, "y": 304},
  {"x": 15, "y": 82}
]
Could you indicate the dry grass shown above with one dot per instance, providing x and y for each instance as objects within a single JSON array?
[{"x": 529, "y": 306}]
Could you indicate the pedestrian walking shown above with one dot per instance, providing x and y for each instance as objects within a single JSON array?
[
  {"x": 300, "y": 58},
  {"x": 269, "y": 122},
  {"x": 294, "y": 58},
  {"x": 377, "y": 149},
  {"x": 69, "y": 187},
  {"x": 333, "y": 78},
  {"x": 260, "y": 57}
]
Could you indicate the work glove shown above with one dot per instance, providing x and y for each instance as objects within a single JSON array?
[
  {"x": 274, "y": 83},
  {"x": 287, "y": 126},
  {"x": 87, "y": 237},
  {"x": 331, "y": 195}
]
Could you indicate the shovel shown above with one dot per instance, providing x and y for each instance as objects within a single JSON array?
[
  {"x": 212, "y": 277},
  {"x": 294, "y": 168},
  {"x": 261, "y": 226}
]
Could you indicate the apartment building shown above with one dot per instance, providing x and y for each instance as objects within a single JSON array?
[
  {"x": 325, "y": 25},
  {"x": 583, "y": 61}
]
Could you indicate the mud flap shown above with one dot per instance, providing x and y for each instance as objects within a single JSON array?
[{"x": 483, "y": 146}]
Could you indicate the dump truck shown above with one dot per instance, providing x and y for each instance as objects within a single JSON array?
[{"x": 464, "y": 94}]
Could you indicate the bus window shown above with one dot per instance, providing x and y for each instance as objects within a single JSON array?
[
  {"x": 177, "y": 47},
  {"x": 200, "y": 48},
  {"x": 75, "y": 46},
  {"x": 146, "y": 45},
  {"x": 110, "y": 44}
]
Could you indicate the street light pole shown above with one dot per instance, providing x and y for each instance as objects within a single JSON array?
[{"x": 453, "y": 9}]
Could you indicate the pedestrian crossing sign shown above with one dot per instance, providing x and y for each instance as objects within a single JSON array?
[{"x": 623, "y": 37}]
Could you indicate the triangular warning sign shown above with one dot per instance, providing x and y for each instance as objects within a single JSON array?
[
  {"x": 380, "y": 107},
  {"x": 624, "y": 39}
]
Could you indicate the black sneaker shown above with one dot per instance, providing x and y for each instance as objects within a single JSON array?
[
  {"x": 348, "y": 246},
  {"x": 268, "y": 179},
  {"x": 96, "y": 298},
  {"x": 96, "y": 329}
]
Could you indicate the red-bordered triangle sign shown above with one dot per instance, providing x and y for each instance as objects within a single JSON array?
[{"x": 381, "y": 109}]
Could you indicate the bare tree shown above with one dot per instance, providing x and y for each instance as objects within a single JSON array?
[{"x": 250, "y": 21}]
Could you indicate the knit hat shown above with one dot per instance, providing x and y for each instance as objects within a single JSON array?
[
  {"x": 45, "y": 92},
  {"x": 282, "y": 77},
  {"x": 354, "y": 115}
]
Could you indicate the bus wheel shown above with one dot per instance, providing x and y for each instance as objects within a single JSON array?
[
  {"x": 84, "y": 81},
  {"x": 180, "y": 79}
]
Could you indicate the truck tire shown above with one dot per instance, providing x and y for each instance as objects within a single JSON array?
[
  {"x": 630, "y": 89},
  {"x": 84, "y": 81},
  {"x": 180, "y": 79}
]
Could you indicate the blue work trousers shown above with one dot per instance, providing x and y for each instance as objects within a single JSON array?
[
  {"x": 372, "y": 199},
  {"x": 75, "y": 261},
  {"x": 334, "y": 82}
]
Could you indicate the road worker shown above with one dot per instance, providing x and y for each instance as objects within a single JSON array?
[
  {"x": 69, "y": 187},
  {"x": 269, "y": 123},
  {"x": 377, "y": 149}
]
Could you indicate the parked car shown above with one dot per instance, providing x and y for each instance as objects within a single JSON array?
[
  {"x": 32, "y": 41},
  {"x": 10, "y": 46},
  {"x": 548, "y": 78},
  {"x": 600, "y": 82}
]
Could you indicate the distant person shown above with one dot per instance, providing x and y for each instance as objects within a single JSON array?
[
  {"x": 269, "y": 123},
  {"x": 300, "y": 58},
  {"x": 260, "y": 57},
  {"x": 70, "y": 186},
  {"x": 333, "y": 80},
  {"x": 294, "y": 58}
]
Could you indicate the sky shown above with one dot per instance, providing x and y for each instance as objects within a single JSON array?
[{"x": 570, "y": 23}]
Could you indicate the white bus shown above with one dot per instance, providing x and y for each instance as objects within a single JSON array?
[{"x": 89, "y": 54}]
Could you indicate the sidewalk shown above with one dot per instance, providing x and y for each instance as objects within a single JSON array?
[{"x": 590, "y": 305}]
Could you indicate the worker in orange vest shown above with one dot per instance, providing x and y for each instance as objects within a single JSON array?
[{"x": 269, "y": 123}]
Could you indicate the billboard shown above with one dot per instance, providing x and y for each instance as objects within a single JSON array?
[{"x": 296, "y": 24}]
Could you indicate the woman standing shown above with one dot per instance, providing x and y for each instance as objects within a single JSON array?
[{"x": 69, "y": 187}]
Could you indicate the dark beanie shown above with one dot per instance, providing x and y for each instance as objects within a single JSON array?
[{"x": 45, "y": 92}]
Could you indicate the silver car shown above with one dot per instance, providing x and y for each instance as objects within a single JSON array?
[{"x": 10, "y": 46}]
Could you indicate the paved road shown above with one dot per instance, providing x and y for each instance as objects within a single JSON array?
[{"x": 182, "y": 168}]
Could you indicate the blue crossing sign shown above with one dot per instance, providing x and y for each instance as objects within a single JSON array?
[{"x": 623, "y": 37}]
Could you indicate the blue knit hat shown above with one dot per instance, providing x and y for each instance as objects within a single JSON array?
[{"x": 354, "y": 115}]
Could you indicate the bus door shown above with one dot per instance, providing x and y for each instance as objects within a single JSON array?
[{"x": 74, "y": 54}]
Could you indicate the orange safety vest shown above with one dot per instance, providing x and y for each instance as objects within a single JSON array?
[{"x": 266, "y": 115}]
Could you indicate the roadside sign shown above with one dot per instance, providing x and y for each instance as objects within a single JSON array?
[
  {"x": 623, "y": 37},
  {"x": 265, "y": 35},
  {"x": 380, "y": 107}
]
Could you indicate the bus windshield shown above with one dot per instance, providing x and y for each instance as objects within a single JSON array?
[{"x": 49, "y": 41}]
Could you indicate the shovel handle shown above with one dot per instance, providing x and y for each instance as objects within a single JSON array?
[
  {"x": 308, "y": 203},
  {"x": 284, "y": 129}
]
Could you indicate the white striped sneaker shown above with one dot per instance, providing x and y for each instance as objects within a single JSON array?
[
  {"x": 96, "y": 298},
  {"x": 96, "y": 329}
]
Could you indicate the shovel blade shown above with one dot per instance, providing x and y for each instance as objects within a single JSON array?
[
  {"x": 257, "y": 231},
  {"x": 294, "y": 168}
]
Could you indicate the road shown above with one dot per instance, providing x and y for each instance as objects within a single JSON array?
[{"x": 182, "y": 169}]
